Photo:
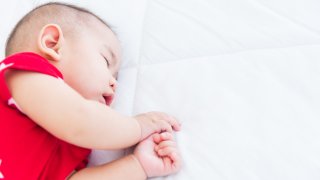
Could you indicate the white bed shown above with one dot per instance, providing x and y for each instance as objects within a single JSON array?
[{"x": 241, "y": 75}]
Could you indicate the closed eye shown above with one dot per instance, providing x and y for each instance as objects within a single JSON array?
[{"x": 106, "y": 60}]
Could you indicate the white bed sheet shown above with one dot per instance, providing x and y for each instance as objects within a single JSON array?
[{"x": 241, "y": 76}]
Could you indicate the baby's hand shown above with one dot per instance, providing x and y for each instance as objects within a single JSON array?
[
  {"x": 156, "y": 122},
  {"x": 158, "y": 155}
]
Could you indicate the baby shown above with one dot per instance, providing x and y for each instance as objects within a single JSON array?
[{"x": 57, "y": 83}]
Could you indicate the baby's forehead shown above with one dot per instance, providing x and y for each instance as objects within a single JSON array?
[
  {"x": 98, "y": 28},
  {"x": 109, "y": 39}
]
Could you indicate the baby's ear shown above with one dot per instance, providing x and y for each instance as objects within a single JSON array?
[{"x": 50, "y": 40}]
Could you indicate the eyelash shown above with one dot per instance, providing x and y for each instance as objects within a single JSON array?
[{"x": 106, "y": 60}]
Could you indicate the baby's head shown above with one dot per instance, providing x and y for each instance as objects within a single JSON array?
[{"x": 77, "y": 42}]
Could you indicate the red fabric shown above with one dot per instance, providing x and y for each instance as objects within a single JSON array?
[{"x": 28, "y": 151}]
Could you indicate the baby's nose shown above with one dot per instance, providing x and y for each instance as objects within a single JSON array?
[{"x": 113, "y": 83}]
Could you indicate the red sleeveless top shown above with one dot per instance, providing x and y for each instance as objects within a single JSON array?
[{"x": 27, "y": 151}]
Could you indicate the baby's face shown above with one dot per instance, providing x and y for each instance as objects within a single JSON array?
[{"x": 91, "y": 63}]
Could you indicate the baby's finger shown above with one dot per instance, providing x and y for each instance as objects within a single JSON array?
[
  {"x": 170, "y": 119},
  {"x": 174, "y": 156},
  {"x": 175, "y": 123},
  {"x": 176, "y": 159},
  {"x": 166, "y": 151},
  {"x": 166, "y": 136},
  {"x": 167, "y": 162},
  {"x": 157, "y": 138},
  {"x": 165, "y": 144},
  {"x": 165, "y": 127}
]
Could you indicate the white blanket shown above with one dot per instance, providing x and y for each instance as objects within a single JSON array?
[{"x": 243, "y": 77}]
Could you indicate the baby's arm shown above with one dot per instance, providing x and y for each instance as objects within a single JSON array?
[
  {"x": 63, "y": 112},
  {"x": 155, "y": 156},
  {"x": 127, "y": 167}
]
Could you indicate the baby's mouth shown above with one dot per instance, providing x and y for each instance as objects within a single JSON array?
[{"x": 108, "y": 100}]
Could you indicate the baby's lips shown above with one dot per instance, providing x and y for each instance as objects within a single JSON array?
[{"x": 109, "y": 100}]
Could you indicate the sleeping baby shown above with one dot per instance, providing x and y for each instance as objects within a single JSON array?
[{"x": 57, "y": 83}]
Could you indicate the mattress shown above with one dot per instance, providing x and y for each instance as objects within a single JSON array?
[{"x": 241, "y": 76}]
